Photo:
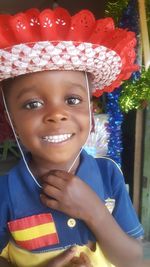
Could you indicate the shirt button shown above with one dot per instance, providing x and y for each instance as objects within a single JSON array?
[{"x": 71, "y": 222}]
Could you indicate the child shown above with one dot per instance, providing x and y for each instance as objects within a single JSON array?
[{"x": 54, "y": 198}]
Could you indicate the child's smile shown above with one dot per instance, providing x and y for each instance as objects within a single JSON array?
[
  {"x": 55, "y": 139},
  {"x": 51, "y": 115}
]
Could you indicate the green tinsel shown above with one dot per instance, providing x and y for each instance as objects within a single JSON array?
[
  {"x": 115, "y": 9},
  {"x": 8, "y": 147},
  {"x": 135, "y": 94}
]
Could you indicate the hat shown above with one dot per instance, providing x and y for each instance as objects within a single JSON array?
[
  {"x": 35, "y": 41},
  {"x": 54, "y": 40}
]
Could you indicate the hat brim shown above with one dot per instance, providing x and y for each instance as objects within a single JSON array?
[{"x": 103, "y": 64}]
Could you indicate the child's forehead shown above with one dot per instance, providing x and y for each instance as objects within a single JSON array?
[
  {"x": 52, "y": 75},
  {"x": 48, "y": 79}
]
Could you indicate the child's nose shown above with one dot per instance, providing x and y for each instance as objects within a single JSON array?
[{"x": 56, "y": 115}]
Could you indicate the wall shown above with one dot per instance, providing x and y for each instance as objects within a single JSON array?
[
  {"x": 13, "y": 6},
  {"x": 145, "y": 212}
]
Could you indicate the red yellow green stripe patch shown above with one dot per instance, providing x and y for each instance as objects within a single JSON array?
[{"x": 34, "y": 232}]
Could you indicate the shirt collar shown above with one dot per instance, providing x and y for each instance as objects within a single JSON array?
[{"x": 90, "y": 173}]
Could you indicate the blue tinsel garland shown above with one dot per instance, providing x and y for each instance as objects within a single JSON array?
[{"x": 129, "y": 20}]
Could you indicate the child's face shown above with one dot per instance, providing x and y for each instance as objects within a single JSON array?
[{"x": 50, "y": 113}]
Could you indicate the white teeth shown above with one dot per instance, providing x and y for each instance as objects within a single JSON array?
[{"x": 57, "y": 138}]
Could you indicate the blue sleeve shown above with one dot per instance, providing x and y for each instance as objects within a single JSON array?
[
  {"x": 115, "y": 188},
  {"x": 4, "y": 212},
  {"x": 124, "y": 212}
]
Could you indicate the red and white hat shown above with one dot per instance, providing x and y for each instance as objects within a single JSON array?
[{"x": 54, "y": 40}]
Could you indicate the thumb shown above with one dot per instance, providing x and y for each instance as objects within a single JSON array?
[{"x": 64, "y": 258}]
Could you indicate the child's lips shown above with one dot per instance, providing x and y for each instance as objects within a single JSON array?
[{"x": 57, "y": 138}]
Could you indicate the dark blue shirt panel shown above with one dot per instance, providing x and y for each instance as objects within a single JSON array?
[{"x": 20, "y": 197}]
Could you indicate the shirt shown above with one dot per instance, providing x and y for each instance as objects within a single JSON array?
[{"x": 27, "y": 225}]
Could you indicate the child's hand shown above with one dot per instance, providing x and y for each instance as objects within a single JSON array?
[
  {"x": 67, "y": 259},
  {"x": 63, "y": 259},
  {"x": 82, "y": 261},
  {"x": 69, "y": 194}
]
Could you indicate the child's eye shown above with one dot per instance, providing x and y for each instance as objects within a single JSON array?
[
  {"x": 73, "y": 100},
  {"x": 35, "y": 104}
]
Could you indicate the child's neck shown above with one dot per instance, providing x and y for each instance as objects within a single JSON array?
[{"x": 38, "y": 169}]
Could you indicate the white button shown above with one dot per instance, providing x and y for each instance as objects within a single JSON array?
[{"x": 71, "y": 222}]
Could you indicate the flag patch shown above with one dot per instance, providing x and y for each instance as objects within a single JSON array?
[{"x": 34, "y": 232}]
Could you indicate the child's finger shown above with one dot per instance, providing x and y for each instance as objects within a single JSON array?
[
  {"x": 51, "y": 191},
  {"x": 75, "y": 260},
  {"x": 82, "y": 260},
  {"x": 53, "y": 180},
  {"x": 63, "y": 259},
  {"x": 85, "y": 258},
  {"x": 51, "y": 203}
]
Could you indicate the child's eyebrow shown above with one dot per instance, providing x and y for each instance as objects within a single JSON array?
[
  {"x": 83, "y": 88},
  {"x": 26, "y": 90}
]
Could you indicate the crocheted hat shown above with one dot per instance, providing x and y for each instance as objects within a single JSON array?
[{"x": 54, "y": 40}]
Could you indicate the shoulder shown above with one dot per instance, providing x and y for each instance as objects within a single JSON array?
[
  {"x": 5, "y": 210},
  {"x": 5, "y": 200},
  {"x": 103, "y": 162},
  {"x": 104, "y": 169},
  {"x": 105, "y": 173},
  {"x": 108, "y": 163},
  {"x": 112, "y": 176},
  {"x": 4, "y": 190},
  {"x": 110, "y": 170},
  {"x": 3, "y": 183},
  {"x": 8, "y": 180}
]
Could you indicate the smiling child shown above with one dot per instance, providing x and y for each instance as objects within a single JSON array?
[{"x": 56, "y": 196}]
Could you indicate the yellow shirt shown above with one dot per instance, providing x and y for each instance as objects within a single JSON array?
[{"x": 23, "y": 258}]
